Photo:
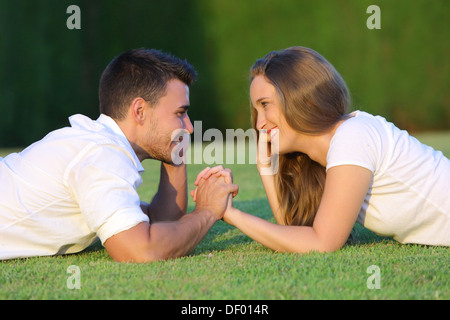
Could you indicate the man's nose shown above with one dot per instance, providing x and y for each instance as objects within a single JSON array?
[{"x": 188, "y": 125}]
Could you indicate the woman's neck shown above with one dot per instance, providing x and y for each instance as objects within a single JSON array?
[{"x": 316, "y": 146}]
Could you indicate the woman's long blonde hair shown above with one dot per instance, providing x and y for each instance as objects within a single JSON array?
[{"x": 314, "y": 98}]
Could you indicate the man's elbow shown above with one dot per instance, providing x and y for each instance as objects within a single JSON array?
[
  {"x": 158, "y": 254},
  {"x": 148, "y": 254},
  {"x": 138, "y": 246}
]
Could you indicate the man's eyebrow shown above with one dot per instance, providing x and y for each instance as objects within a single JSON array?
[{"x": 185, "y": 107}]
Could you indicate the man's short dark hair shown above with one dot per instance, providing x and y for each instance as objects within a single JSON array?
[{"x": 139, "y": 73}]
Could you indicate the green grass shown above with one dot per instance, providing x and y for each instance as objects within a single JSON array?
[{"x": 229, "y": 265}]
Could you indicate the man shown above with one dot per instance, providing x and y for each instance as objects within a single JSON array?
[{"x": 79, "y": 183}]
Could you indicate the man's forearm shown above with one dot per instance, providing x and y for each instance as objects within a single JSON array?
[
  {"x": 159, "y": 241},
  {"x": 170, "y": 202},
  {"x": 176, "y": 239}
]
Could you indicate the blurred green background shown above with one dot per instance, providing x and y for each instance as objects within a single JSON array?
[{"x": 49, "y": 72}]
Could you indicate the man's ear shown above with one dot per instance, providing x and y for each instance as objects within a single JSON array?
[{"x": 138, "y": 110}]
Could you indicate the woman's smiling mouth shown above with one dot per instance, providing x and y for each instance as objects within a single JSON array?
[{"x": 272, "y": 132}]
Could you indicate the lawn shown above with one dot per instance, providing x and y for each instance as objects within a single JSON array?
[{"x": 227, "y": 265}]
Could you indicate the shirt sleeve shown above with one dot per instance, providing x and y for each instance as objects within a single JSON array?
[
  {"x": 354, "y": 143},
  {"x": 104, "y": 182}
]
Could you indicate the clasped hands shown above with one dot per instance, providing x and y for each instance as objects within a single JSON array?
[{"x": 214, "y": 191}]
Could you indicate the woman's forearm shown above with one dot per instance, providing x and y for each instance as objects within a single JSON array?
[
  {"x": 277, "y": 237},
  {"x": 269, "y": 186}
]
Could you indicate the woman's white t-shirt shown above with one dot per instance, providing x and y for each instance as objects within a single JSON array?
[{"x": 409, "y": 197}]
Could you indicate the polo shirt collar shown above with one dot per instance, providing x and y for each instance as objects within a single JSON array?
[{"x": 112, "y": 125}]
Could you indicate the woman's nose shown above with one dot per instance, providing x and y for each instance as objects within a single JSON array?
[{"x": 260, "y": 123}]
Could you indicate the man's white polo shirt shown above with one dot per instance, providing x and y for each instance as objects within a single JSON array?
[{"x": 75, "y": 184}]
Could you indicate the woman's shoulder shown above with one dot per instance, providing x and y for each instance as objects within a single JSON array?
[
  {"x": 363, "y": 118},
  {"x": 361, "y": 124},
  {"x": 361, "y": 140}
]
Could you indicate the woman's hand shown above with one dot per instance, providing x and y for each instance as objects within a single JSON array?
[{"x": 267, "y": 153}]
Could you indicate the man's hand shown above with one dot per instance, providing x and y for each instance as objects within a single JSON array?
[
  {"x": 212, "y": 195},
  {"x": 218, "y": 171}
]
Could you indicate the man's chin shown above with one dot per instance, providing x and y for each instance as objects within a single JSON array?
[
  {"x": 161, "y": 157},
  {"x": 177, "y": 156}
]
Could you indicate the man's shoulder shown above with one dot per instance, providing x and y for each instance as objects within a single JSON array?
[{"x": 85, "y": 140}]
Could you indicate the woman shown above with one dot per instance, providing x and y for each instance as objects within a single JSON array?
[{"x": 336, "y": 167}]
